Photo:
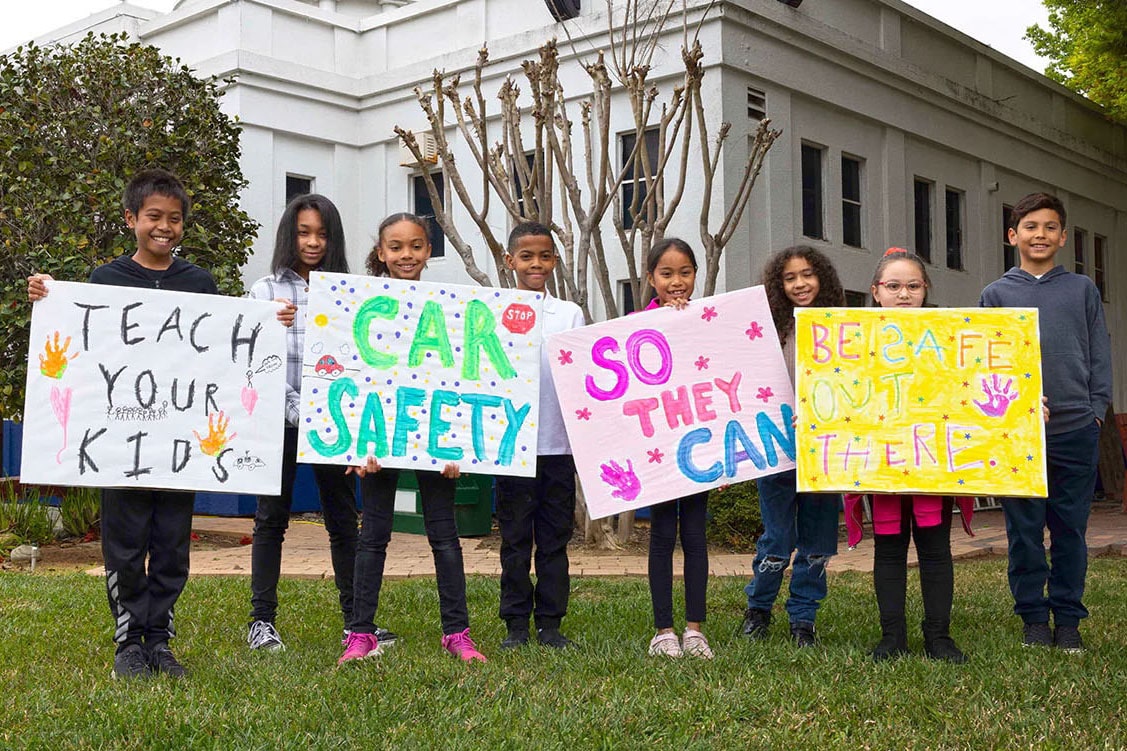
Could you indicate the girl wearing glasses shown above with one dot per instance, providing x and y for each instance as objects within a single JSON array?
[{"x": 901, "y": 281}]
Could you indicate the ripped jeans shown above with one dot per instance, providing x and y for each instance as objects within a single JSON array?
[{"x": 801, "y": 523}]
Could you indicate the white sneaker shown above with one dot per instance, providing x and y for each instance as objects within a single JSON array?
[
  {"x": 665, "y": 644},
  {"x": 262, "y": 635},
  {"x": 693, "y": 643}
]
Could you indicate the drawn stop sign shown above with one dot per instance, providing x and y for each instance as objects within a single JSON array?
[{"x": 518, "y": 318}]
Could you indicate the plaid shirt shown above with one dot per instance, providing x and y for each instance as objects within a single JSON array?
[{"x": 289, "y": 285}]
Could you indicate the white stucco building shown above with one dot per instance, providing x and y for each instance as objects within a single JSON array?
[{"x": 897, "y": 130}]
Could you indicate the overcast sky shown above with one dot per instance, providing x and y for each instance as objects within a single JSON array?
[{"x": 998, "y": 23}]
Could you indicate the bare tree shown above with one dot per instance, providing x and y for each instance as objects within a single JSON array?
[{"x": 544, "y": 168}]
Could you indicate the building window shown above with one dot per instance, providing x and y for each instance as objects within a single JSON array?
[
  {"x": 425, "y": 209},
  {"x": 1009, "y": 250},
  {"x": 756, "y": 104},
  {"x": 922, "y": 209},
  {"x": 1099, "y": 243},
  {"x": 297, "y": 185},
  {"x": 1079, "y": 240},
  {"x": 851, "y": 201},
  {"x": 813, "y": 224},
  {"x": 953, "y": 208},
  {"x": 634, "y": 179},
  {"x": 626, "y": 297},
  {"x": 855, "y": 299}
]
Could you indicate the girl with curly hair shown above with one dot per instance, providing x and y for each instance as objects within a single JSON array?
[{"x": 800, "y": 524}]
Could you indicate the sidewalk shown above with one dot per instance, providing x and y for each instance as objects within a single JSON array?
[{"x": 306, "y": 551}]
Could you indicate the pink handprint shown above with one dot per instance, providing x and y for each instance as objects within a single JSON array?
[
  {"x": 998, "y": 397},
  {"x": 624, "y": 479}
]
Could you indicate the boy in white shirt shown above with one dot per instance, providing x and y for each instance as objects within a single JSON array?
[{"x": 539, "y": 509}]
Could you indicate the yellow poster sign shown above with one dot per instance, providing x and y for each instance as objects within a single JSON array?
[{"x": 943, "y": 401}]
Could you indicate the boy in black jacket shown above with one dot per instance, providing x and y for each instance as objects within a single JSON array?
[
  {"x": 1076, "y": 363},
  {"x": 140, "y": 523}
]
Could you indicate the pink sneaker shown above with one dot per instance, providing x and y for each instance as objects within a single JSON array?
[
  {"x": 358, "y": 646},
  {"x": 461, "y": 646}
]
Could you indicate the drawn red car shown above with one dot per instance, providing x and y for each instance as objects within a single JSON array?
[{"x": 329, "y": 366}]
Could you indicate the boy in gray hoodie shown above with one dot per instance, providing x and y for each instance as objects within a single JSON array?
[{"x": 1076, "y": 366}]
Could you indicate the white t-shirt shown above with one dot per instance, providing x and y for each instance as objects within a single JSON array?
[{"x": 559, "y": 315}]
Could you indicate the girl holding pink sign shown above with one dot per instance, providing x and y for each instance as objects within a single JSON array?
[
  {"x": 800, "y": 524},
  {"x": 671, "y": 269}
]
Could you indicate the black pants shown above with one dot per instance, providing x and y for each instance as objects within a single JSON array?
[
  {"x": 692, "y": 511},
  {"x": 437, "y": 495},
  {"x": 136, "y": 524},
  {"x": 937, "y": 572},
  {"x": 538, "y": 510},
  {"x": 272, "y": 518}
]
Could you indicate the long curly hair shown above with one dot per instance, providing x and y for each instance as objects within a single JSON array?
[{"x": 830, "y": 292}]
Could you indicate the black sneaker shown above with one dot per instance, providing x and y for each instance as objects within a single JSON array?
[
  {"x": 1037, "y": 635},
  {"x": 944, "y": 648},
  {"x": 383, "y": 636},
  {"x": 551, "y": 637},
  {"x": 755, "y": 624},
  {"x": 890, "y": 648},
  {"x": 130, "y": 663},
  {"x": 803, "y": 634},
  {"x": 161, "y": 660},
  {"x": 1067, "y": 638},
  {"x": 515, "y": 638}
]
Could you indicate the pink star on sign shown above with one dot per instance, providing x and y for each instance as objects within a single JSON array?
[
  {"x": 764, "y": 394},
  {"x": 702, "y": 363},
  {"x": 583, "y": 414},
  {"x": 709, "y": 313},
  {"x": 656, "y": 456},
  {"x": 754, "y": 331},
  {"x": 565, "y": 357}
]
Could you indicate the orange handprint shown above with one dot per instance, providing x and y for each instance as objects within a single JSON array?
[
  {"x": 217, "y": 436},
  {"x": 56, "y": 361}
]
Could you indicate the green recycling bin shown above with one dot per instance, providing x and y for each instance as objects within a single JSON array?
[{"x": 473, "y": 505}]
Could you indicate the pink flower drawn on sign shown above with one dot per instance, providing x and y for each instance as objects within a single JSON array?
[
  {"x": 764, "y": 393},
  {"x": 754, "y": 331},
  {"x": 655, "y": 456},
  {"x": 702, "y": 363},
  {"x": 709, "y": 313},
  {"x": 583, "y": 414},
  {"x": 60, "y": 405},
  {"x": 565, "y": 357}
]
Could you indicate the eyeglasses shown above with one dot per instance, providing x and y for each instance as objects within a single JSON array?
[{"x": 913, "y": 288}]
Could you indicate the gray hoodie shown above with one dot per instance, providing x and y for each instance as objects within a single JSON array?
[{"x": 1075, "y": 346}]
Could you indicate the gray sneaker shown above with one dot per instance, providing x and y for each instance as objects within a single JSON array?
[{"x": 261, "y": 635}]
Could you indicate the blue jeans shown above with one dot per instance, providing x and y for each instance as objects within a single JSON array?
[
  {"x": 801, "y": 523},
  {"x": 1071, "y": 459}
]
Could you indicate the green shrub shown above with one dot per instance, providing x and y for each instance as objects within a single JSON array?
[
  {"x": 79, "y": 510},
  {"x": 29, "y": 519},
  {"x": 733, "y": 516}
]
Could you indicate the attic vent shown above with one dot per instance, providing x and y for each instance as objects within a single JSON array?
[
  {"x": 756, "y": 104},
  {"x": 426, "y": 145}
]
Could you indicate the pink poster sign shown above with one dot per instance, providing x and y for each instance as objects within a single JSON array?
[{"x": 667, "y": 403}]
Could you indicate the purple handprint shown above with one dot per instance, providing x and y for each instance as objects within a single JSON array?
[
  {"x": 624, "y": 479},
  {"x": 998, "y": 397}
]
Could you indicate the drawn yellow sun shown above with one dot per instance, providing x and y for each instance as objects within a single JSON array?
[{"x": 321, "y": 320}]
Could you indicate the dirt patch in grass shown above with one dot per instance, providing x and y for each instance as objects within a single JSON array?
[{"x": 77, "y": 555}]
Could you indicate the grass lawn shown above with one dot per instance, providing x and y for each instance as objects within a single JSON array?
[{"x": 55, "y": 690}]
